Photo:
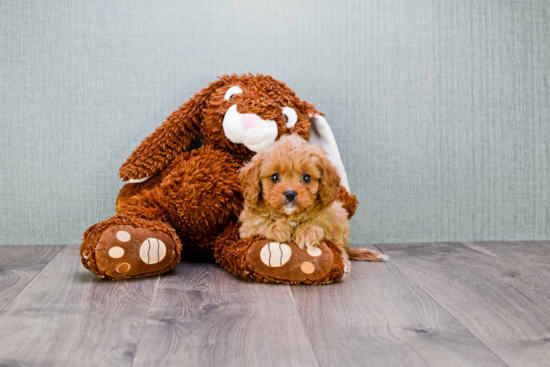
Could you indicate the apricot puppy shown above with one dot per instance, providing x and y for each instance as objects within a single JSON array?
[{"x": 290, "y": 191}]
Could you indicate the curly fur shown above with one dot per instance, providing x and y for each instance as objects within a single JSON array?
[
  {"x": 197, "y": 194},
  {"x": 313, "y": 215},
  {"x": 309, "y": 217}
]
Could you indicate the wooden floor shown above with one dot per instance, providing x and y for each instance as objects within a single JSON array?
[{"x": 432, "y": 304}]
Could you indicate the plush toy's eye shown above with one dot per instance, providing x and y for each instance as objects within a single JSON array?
[
  {"x": 275, "y": 177},
  {"x": 232, "y": 91},
  {"x": 306, "y": 178},
  {"x": 291, "y": 116}
]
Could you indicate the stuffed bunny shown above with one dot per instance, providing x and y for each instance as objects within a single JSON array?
[{"x": 178, "y": 201}]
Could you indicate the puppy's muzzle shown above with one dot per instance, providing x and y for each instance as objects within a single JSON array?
[{"x": 290, "y": 195}]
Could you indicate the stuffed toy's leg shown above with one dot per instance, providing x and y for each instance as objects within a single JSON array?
[
  {"x": 128, "y": 247},
  {"x": 266, "y": 261},
  {"x": 141, "y": 240}
]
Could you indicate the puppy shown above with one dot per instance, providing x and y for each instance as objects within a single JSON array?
[{"x": 290, "y": 194}]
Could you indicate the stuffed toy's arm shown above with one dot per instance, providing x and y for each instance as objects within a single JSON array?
[{"x": 350, "y": 201}]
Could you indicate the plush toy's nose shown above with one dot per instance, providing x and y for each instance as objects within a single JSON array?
[{"x": 249, "y": 120}]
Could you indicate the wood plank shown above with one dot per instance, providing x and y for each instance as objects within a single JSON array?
[
  {"x": 533, "y": 256},
  {"x": 19, "y": 265},
  {"x": 205, "y": 316},
  {"x": 377, "y": 316},
  {"x": 67, "y": 316},
  {"x": 498, "y": 301}
]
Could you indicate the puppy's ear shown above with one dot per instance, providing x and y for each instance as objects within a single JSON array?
[
  {"x": 170, "y": 139},
  {"x": 330, "y": 181},
  {"x": 249, "y": 175}
]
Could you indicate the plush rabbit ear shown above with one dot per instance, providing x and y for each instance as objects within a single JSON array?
[
  {"x": 170, "y": 139},
  {"x": 320, "y": 133}
]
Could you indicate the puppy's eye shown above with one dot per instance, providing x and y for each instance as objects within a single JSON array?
[
  {"x": 290, "y": 115},
  {"x": 275, "y": 177},
  {"x": 306, "y": 178},
  {"x": 231, "y": 92}
]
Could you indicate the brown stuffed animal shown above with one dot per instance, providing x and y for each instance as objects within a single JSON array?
[{"x": 179, "y": 201}]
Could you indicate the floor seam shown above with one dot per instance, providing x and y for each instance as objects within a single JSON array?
[
  {"x": 443, "y": 307},
  {"x": 35, "y": 275},
  {"x": 302, "y": 323},
  {"x": 145, "y": 321}
]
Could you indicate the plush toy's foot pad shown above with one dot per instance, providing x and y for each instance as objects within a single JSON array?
[
  {"x": 127, "y": 252},
  {"x": 290, "y": 263}
]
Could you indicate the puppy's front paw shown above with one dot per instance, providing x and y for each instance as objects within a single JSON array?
[
  {"x": 309, "y": 237},
  {"x": 280, "y": 233}
]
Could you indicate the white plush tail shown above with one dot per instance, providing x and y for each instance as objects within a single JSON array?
[{"x": 364, "y": 254}]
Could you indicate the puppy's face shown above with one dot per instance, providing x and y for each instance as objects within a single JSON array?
[
  {"x": 290, "y": 185},
  {"x": 290, "y": 177}
]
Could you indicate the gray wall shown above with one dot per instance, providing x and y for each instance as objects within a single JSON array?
[{"x": 441, "y": 108}]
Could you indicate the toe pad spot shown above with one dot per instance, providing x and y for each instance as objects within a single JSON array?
[
  {"x": 123, "y": 268},
  {"x": 307, "y": 267},
  {"x": 116, "y": 252},
  {"x": 314, "y": 251},
  {"x": 123, "y": 236}
]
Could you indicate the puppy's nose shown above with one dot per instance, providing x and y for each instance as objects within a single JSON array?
[
  {"x": 290, "y": 195},
  {"x": 250, "y": 120}
]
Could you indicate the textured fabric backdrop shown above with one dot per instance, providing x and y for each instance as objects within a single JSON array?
[{"x": 441, "y": 108}]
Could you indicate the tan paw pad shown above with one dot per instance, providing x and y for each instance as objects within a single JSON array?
[
  {"x": 124, "y": 251},
  {"x": 297, "y": 264}
]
